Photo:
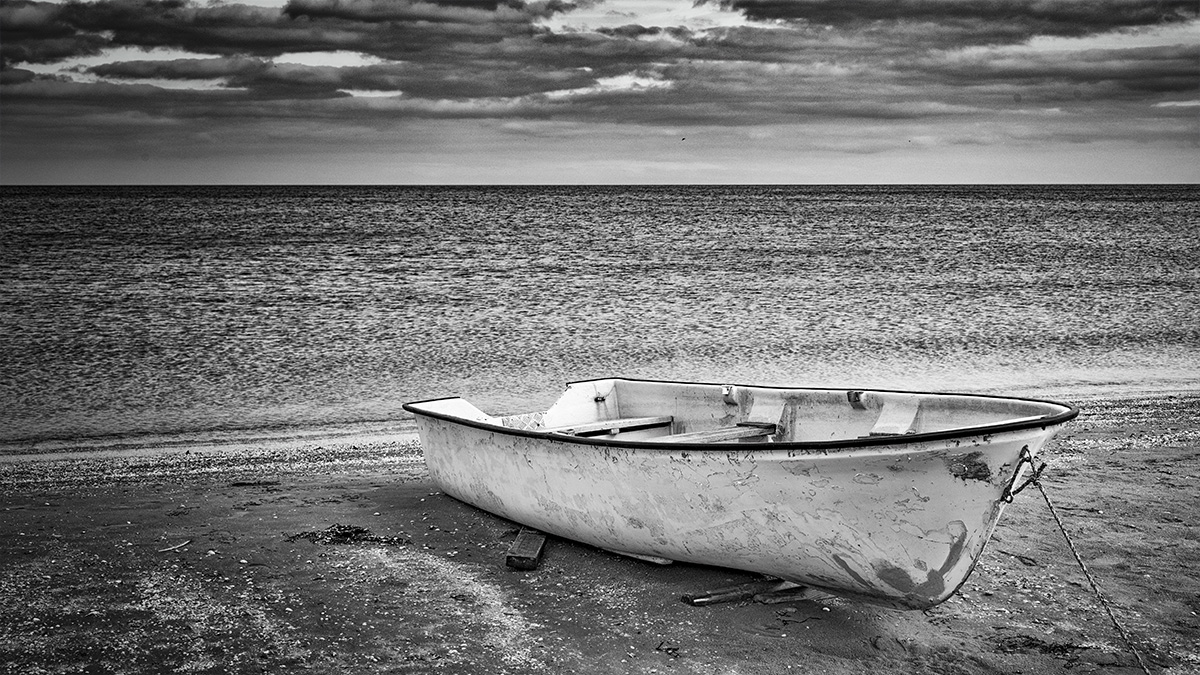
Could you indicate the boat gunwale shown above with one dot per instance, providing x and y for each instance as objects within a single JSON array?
[{"x": 1067, "y": 415}]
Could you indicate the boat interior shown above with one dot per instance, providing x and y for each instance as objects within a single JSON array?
[{"x": 676, "y": 412}]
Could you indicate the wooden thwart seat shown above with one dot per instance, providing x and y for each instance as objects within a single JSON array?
[
  {"x": 615, "y": 426},
  {"x": 611, "y": 426},
  {"x": 741, "y": 430},
  {"x": 897, "y": 418}
]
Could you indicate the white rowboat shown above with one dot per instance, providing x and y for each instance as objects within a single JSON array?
[{"x": 883, "y": 496}]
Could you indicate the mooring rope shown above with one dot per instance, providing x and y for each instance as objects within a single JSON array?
[{"x": 1035, "y": 479}]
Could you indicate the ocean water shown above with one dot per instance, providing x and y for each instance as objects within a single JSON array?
[{"x": 127, "y": 311}]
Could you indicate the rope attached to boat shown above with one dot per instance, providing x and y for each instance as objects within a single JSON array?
[
  {"x": 1026, "y": 458},
  {"x": 1035, "y": 479}
]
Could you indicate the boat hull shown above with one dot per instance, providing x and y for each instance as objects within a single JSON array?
[{"x": 900, "y": 524}]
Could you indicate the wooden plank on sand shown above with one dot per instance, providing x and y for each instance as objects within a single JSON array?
[{"x": 526, "y": 550}]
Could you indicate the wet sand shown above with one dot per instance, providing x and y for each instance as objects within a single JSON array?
[{"x": 339, "y": 555}]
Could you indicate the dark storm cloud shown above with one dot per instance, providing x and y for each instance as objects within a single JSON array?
[
  {"x": 32, "y": 32},
  {"x": 948, "y": 24},
  {"x": 815, "y": 61},
  {"x": 16, "y": 76},
  {"x": 41, "y": 32},
  {"x": 261, "y": 74},
  {"x": 38, "y": 32},
  {"x": 1070, "y": 18},
  {"x": 373, "y": 11},
  {"x": 182, "y": 69},
  {"x": 483, "y": 40},
  {"x": 1126, "y": 72}
]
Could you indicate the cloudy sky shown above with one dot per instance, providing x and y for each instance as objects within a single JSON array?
[{"x": 600, "y": 91}]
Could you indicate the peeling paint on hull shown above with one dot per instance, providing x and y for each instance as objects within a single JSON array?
[{"x": 899, "y": 524}]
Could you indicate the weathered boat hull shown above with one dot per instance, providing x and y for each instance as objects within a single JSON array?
[{"x": 896, "y": 520}]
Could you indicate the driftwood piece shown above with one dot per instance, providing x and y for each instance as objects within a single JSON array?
[
  {"x": 175, "y": 547},
  {"x": 769, "y": 591}
]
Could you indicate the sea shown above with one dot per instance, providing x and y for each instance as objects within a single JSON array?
[{"x": 161, "y": 312}]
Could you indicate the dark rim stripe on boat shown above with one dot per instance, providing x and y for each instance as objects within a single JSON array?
[{"x": 1067, "y": 415}]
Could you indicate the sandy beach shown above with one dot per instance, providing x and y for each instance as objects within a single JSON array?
[{"x": 333, "y": 555}]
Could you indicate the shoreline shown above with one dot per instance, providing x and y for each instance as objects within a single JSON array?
[
  {"x": 383, "y": 431},
  {"x": 221, "y": 558},
  {"x": 363, "y": 433}
]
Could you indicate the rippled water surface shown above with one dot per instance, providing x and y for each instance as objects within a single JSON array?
[{"x": 134, "y": 310}]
